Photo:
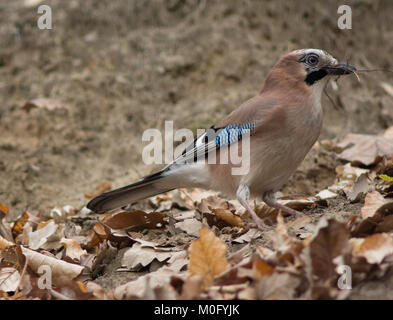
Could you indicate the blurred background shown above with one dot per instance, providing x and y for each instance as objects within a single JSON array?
[{"x": 113, "y": 68}]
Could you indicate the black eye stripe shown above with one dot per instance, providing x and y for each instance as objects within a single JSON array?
[{"x": 315, "y": 76}]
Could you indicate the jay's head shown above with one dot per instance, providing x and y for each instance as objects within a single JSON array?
[{"x": 306, "y": 67}]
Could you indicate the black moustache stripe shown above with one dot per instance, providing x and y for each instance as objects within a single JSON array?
[{"x": 315, "y": 76}]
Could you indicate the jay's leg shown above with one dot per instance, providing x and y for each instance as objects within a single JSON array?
[
  {"x": 271, "y": 201},
  {"x": 243, "y": 195}
]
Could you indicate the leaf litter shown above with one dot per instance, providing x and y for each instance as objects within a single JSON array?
[{"x": 195, "y": 244}]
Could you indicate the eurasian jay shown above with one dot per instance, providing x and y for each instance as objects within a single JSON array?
[{"x": 279, "y": 125}]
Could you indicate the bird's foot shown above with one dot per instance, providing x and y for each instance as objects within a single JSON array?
[
  {"x": 291, "y": 211},
  {"x": 271, "y": 201},
  {"x": 260, "y": 224}
]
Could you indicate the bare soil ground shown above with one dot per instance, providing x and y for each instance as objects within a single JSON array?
[{"x": 120, "y": 67}]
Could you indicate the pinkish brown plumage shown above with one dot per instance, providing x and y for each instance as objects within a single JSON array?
[{"x": 272, "y": 132}]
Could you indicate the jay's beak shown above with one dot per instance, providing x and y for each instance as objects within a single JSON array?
[{"x": 340, "y": 69}]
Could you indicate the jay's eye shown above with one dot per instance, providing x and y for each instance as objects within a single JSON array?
[{"x": 312, "y": 60}]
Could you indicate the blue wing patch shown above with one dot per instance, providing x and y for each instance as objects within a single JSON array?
[
  {"x": 233, "y": 133},
  {"x": 213, "y": 139}
]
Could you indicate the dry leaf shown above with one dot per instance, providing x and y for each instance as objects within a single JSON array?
[
  {"x": 183, "y": 215},
  {"x": 135, "y": 220},
  {"x": 346, "y": 177},
  {"x": 248, "y": 236},
  {"x": 260, "y": 268},
  {"x": 19, "y": 224},
  {"x": 47, "y": 237},
  {"x": 4, "y": 244},
  {"x": 375, "y": 247},
  {"x": 190, "y": 226},
  {"x": 138, "y": 256},
  {"x": 360, "y": 187},
  {"x": 143, "y": 287},
  {"x": 380, "y": 221},
  {"x": 73, "y": 249},
  {"x": 330, "y": 240},
  {"x": 326, "y": 194},
  {"x": 207, "y": 257},
  {"x": 228, "y": 217},
  {"x": 102, "y": 187},
  {"x": 96, "y": 235},
  {"x": 178, "y": 260},
  {"x": 365, "y": 149},
  {"x": 9, "y": 279},
  {"x": 214, "y": 202},
  {"x": 373, "y": 201},
  {"x": 59, "y": 268},
  {"x": 298, "y": 204}
]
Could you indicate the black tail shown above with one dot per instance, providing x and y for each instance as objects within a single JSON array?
[{"x": 147, "y": 187}]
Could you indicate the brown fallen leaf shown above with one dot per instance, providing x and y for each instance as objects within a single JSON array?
[
  {"x": 190, "y": 226},
  {"x": 260, "y": 268},
  {"x": 330, "y": 241},
  {"x": 380, "y": 221},
  {"x": 207, "y": 257},
  {"x": 135, "y": 220},
  {"x": 248, "y": 236},
  {"x": 365, "y": 149},
  {"x": 228, "y": 217},
  {"x": 4, "y": 244},
  {"x": 138, "y": 256},
  {"x": 265, "y": 212},
  {"x": 73, "y": 249},
  {"x": 102, "y": 187},
  {"x": 19, "y": 224},
  {"x": 96, "y": 235},
  {"x": 213, "y": 202},
  {"x": 115, "y": 227},
  {"x": 40, "y": 237},
  {"x": 9, "y": 279},
  {"x": 59, "y": 268},
  {"x": 373, "y": 201},
  {"x": 360, "y": 187},
  {"x": 375, "y": 247},
  {"x": 143, "y": 287}
]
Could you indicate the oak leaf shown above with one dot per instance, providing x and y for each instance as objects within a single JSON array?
[{"x": 207, "y": 257}]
